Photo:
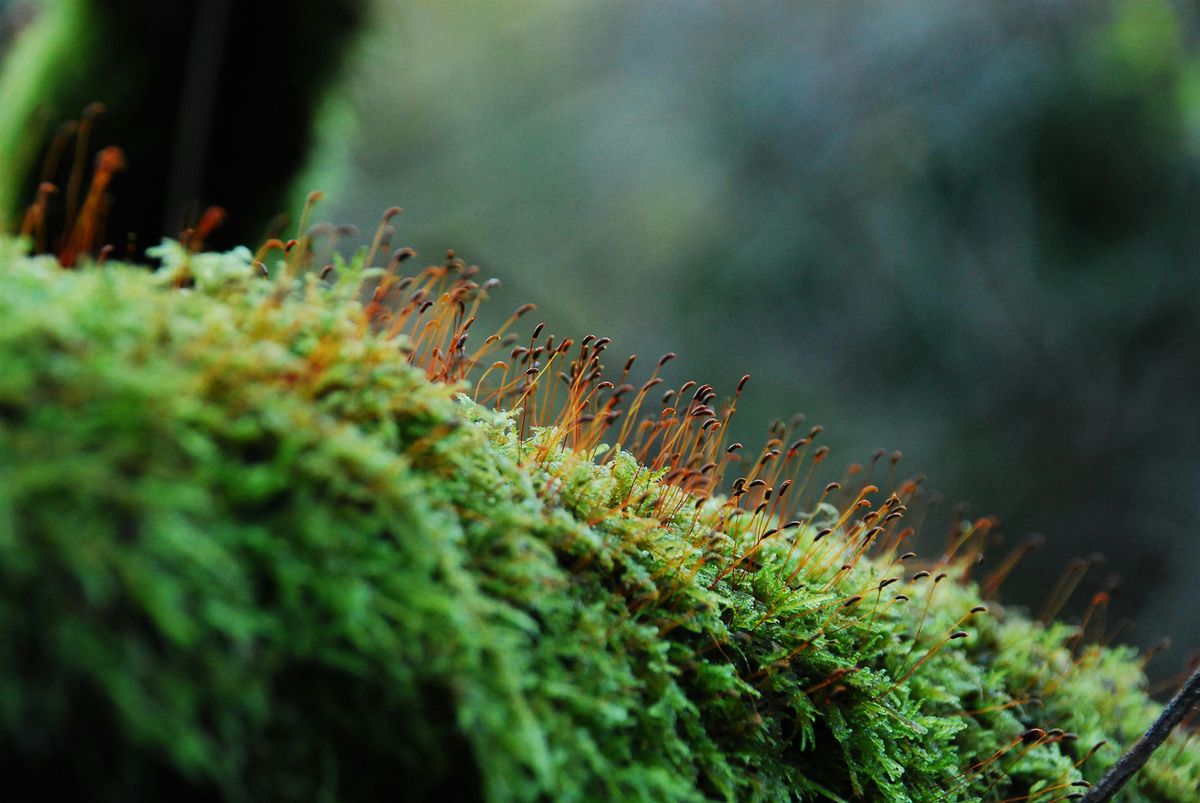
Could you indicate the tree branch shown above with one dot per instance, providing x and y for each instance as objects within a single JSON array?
[{"x": 1178, "y": 708}]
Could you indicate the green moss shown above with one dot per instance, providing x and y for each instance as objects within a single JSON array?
[{"x": 247, "y": 551}]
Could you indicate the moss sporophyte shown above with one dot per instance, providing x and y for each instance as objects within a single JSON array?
[{"x": 274, "y": 526}]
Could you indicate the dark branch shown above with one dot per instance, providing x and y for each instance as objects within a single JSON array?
[{"x": 1179, "y": 707}]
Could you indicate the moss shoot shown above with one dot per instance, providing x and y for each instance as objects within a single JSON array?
[{"x": 273, "y": 532}]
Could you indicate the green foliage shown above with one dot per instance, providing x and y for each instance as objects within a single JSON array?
[{"x": 247, "y": 550}]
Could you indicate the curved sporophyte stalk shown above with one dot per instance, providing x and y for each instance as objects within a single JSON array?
[
  {"x": 71, "y": 222},
  {"x": 621, "y": 603}
]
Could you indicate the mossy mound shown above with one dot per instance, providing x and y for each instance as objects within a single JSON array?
[{"x": 247, "y": 551}]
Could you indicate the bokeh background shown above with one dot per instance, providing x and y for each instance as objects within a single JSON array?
[{"x": 965, "y": 231}]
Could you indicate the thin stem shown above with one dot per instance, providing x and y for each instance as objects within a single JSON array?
[{"x": 1178, "y": 708}]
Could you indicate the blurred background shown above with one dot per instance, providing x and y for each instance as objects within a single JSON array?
[{"x": 965, "y": 231}]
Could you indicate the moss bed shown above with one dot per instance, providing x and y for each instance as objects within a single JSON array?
[{"x": 250, "y": 551}]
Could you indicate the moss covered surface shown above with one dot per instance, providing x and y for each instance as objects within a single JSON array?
[{"x": 248, "y": 551}]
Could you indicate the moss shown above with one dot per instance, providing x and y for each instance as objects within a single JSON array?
[{"x": 248, "y": 551}]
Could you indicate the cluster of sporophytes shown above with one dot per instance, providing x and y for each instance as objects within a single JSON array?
[{"x": 272, "y": 528}]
